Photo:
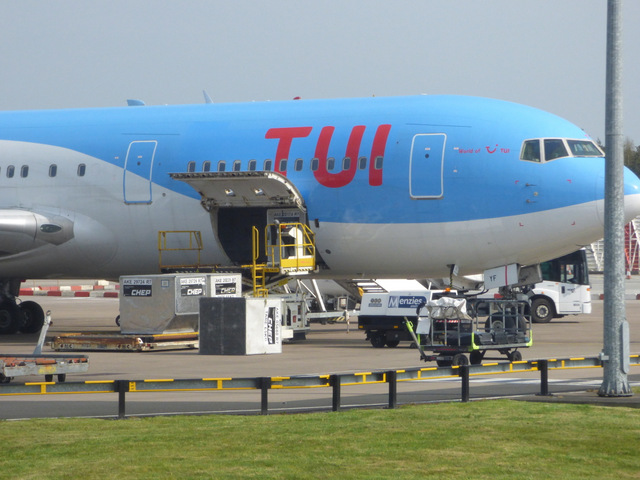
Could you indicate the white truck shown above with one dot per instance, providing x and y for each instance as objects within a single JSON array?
[
  {"x": 564, "y": 290},
  {"x": 382, "y": 315}
]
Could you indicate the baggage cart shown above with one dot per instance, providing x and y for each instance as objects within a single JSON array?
[{"x": 452, "y": 328}]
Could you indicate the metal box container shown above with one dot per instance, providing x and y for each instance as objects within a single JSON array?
[
  {"x": 240, "y": 326},
  {"x": 169, "y": 303}
]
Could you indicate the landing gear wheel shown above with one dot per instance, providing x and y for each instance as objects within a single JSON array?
[
  {"x": 4, "y": 379},
  {"x": 514, "y": 356},
  {"x": 33, "y": 317},
  {"x": 476, "y": 357},
  {"x": 541, "y": 310},
  {"x": 11, "y": 318},
  {"x": 48, "y": 378},
  {"x": 378, "y": 340},
  {"x": 459, "y": 360},
  {"x": 393, "y": 343},
  {"x": 62, "y": 377}
]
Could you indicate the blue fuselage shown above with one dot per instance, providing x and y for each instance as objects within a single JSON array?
[{"x": 391, "y": 186}]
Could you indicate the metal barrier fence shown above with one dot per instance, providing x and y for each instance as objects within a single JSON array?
[{"x": 335, "y": 381}]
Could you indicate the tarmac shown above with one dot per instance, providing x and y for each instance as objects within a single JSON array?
[{"x": 589, "y": 397}]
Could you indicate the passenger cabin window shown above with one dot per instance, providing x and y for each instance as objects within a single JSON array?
[
  {"x": 252, "y": 165},
  {"x": 283, "y": 165},
  {"x": 206, "y": 166},
  {"x": 222, "y": 166},
  {"x": 267, "y": 165},
  {"x": 191, "y": 167},
  {"x": 82, "y": 169},
  {"x": 331, "y": 164},
  {"x": 346, "y": 163},
  {"x": 554, "y": 148},
  {"x": 531, "y": 151},
  {"x": 24, "y": 171},
  {"x": 298, "y": 165},
  {"x": 53, "y": 170},
  {"x": 362, "y": 163},
  {"x": 237, "y": 165},
  {"x": 378, "y": 164},
  {"x": 11, "y": 170},
  {"x": 315, "y": 163}
]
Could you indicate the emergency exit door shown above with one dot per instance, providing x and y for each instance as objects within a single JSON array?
[{"x": 426, "y": 166}]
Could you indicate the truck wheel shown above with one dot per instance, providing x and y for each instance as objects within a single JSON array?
[
  {"x": 494, "y": 324},
  {"x": 514, "y": 356},
  {"x": 378, "y": 340},
  {"x": 393, "y": 343},
  {"x": 476, "y": 357},
  {"x": 541, "y": 310},
  {"x": 459, "y": 359}
]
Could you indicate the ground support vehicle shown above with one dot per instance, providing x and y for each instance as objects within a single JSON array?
[
  {"x": 382, "y": 315},
  {"x": 12, "y": 366},
  {"x": 564, "y": 289},
  {"x": 451, "y": 328},
  {"x": 127, "y": 343},
  {"x": 295, "y": 318}
]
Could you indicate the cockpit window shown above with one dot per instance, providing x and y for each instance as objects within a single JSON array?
[
  {"x": 531, "y": 150},
  {"x": 584, "y": 148},
  {"x": 547, "y": 149},
  {"x": 554, "y": 148}
]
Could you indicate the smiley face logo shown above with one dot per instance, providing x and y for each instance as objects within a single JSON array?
[{"x": 491, "y": 151}]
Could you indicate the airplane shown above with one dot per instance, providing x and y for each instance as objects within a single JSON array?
[{"x": 392, "y": 187}]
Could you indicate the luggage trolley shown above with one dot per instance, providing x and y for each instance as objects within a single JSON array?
[{"x": 451, "y": 327}]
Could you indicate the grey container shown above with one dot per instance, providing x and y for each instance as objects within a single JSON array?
[{"x": 169, "y": 303}]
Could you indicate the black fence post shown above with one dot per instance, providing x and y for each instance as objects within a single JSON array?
[
  {"x": 543, "y": 366},
  {"x": 463, "y": 371},
  {"x": 265, "y": 385},
  {"x": 122, "y": 387},
  {"x": 335, "y": 383},
  {"x": 392, "y": 379}
]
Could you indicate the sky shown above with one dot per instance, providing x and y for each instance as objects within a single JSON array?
[{"x": 548, "y": 54}]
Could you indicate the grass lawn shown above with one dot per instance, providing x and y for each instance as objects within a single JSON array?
[{"x": 483, "y": 439}]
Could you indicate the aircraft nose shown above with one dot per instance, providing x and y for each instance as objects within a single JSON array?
[{"x": 631, "y": 195}]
